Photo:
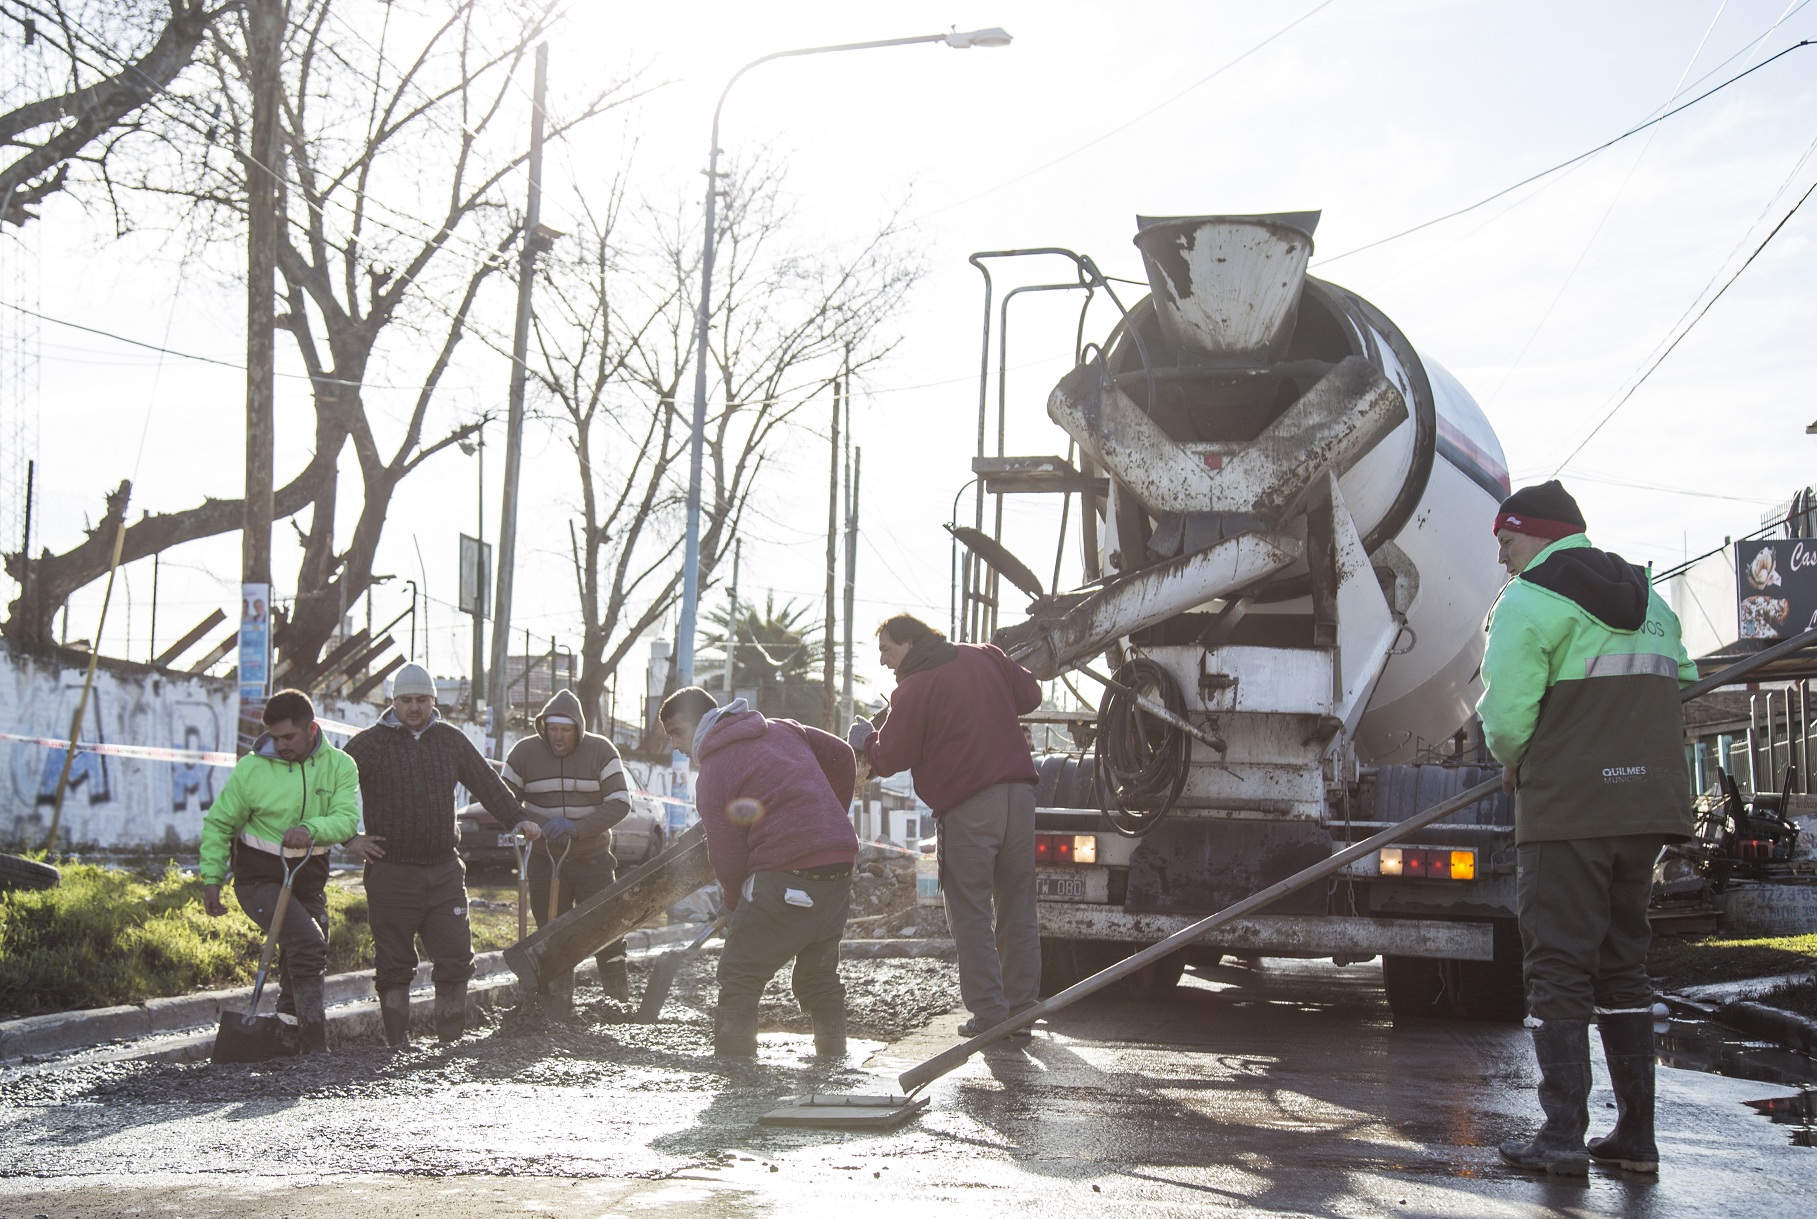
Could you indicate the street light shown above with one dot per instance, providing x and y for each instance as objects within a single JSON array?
[{"x": 690, "y": 579}]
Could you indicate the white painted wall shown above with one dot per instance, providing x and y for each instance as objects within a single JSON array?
[{"x": 111, "y": 801}]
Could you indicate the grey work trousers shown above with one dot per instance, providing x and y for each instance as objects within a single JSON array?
[
  {"x": 1583, "y": 924},
  {"x": 987, "y": 874},
  {"x": 766, "y": 930},
  {"x": 407, "y": 900},
  {"x": 302, "y": 940}
]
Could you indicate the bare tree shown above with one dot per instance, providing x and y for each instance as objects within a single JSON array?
[
  {"x": 399, "y": 147},
  {"x": 90, "y": 67},
  {"x": 616, "y": 335}
]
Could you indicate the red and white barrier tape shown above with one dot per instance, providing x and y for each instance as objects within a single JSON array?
[
  {"x": 143, "y": 753},
  {"x": 156, "y": 753}
]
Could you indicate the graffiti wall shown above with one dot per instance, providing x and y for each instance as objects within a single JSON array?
[{"x": 113, "y": 802}]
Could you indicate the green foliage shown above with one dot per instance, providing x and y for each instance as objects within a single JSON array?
[
  {"x": 1685, "y": 961},
  {"x": 104, "y": 937}
]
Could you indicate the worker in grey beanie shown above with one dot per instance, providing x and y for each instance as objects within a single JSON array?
[{"x": 416, "y": 885}]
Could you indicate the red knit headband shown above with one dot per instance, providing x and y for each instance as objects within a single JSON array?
[{"x": 1534, "y": 526}]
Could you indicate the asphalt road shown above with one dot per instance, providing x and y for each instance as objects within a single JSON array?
[{"x": 1279, "y": 1091}]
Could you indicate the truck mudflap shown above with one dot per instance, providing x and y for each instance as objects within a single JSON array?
[{"x": 1321, "y": 935}]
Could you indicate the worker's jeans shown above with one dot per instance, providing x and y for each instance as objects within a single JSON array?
[
  {"x": 1583, "y": 924},
  {"x": 987, "y": 874},
  {"x": 581, "y": 879},
  {"x": 407, "y": 900},
  {"x": 302, "y": 940},
  {"x": 766, "y": 930}
]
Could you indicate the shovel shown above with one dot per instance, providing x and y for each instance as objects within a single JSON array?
[
  {"x": 252, "y": 1037},
  {"x": 662, "y": 977},
  {"x": 523, "y": 847},
  {"x": 555, "y": 877}
]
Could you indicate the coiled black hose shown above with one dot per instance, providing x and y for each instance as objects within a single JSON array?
[{"x": 1142, "y": 762}]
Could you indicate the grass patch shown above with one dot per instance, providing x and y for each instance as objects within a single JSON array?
[
  {"x": 106, "y": 936},
  {"x": 1694, "y": 961}
]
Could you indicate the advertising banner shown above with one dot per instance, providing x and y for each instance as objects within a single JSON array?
[
  {"x": 476, "y": 575},
  {"x": 1775, "y": 587},
  {"x": 254, "y": 660}
]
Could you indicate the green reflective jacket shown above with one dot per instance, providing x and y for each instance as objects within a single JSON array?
[
  {"x": 1587, "y": 712},
  {"x": 265, "y": 796}
]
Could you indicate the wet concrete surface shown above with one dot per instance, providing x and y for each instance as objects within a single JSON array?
[{"x": 1283, "y": 1090}]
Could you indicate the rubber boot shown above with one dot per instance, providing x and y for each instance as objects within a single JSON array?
[
  {"x": 450, "y": 1011},
  {"x": 829, "y": 1032},
  {"x": 394, "y": 1010},
  {"x": 735, "y": 1028},
  {"x": 1563, "y": 1050},
  {"x": 312, "y": 1018},
  {"x": 1627, "y": 1043},
  {"x": 614, "y": 980}
]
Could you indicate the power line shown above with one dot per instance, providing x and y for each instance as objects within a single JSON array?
[
  {"x": 1158, "y": 106},
  {"x": 1670, "y": 347},
  {"x": 1605, "y": 145}
]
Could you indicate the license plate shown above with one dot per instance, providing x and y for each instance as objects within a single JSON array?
[
  {"x": 1077, "y": 884},
  {"x": 507, "y": 840}
]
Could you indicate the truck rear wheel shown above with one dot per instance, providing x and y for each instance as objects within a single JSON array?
[{"x": 1427, "y": 987}]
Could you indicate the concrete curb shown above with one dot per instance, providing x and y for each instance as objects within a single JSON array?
[
  {"x": 62, "y": 1032},
  {"x": 1715, "y": 994},
  {"x": 1789, "y": 1029}
]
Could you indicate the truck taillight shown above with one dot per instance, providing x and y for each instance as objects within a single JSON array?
[
  {"x": 1066, "y": 848},
  {"x": 1432, "y": 863}
]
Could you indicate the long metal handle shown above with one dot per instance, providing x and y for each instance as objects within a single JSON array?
[
  {"x": 279, "y": 910},
  {"x": 521, "y": 846},
  {"x": 919, "y": 1076}
]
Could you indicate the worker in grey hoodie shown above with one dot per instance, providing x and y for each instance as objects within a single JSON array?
[{"x": 572, "y": 785}]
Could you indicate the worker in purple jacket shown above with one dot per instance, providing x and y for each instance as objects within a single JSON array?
[{"x": 773, "y": 796}]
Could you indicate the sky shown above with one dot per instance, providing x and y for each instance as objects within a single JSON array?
[{"x": 1546, "y": 304}]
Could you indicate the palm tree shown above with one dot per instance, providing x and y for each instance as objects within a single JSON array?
[{"x": 778, "y": 656}]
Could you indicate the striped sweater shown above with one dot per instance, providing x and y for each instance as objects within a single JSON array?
[{"x": 586, "y": 785}]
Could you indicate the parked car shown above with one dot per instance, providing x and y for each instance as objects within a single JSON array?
[
  {"x": 642, "y": 835},
  {"x": 486, "y": 845}
]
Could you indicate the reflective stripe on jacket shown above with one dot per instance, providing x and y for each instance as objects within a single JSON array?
[{"x": 1587, "y": 711}]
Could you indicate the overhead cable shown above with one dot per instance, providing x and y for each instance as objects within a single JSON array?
[{"x": 1585, "y": 155}]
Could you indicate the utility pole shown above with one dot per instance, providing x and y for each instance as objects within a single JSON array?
[
  {"x": 264, "y": 191},
  {"x": 479, "y": 577},
  {"x": 846, "y": 709},
  {"x": 732, "y": 625},
  {"x": 497, "y": 696},
  {"x": 829, "y": 704}
]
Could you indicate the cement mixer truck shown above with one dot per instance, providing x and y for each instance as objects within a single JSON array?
[{"x": 1283, "y": 517}]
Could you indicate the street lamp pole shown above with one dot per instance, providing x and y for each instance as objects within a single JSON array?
[{"x": 690, "y": 579}]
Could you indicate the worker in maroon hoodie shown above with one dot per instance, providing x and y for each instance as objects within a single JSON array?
[
  {"x": 773, "y": 796},
  {"x": 953, "y": 723}
]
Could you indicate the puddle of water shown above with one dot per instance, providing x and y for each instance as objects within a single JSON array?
[
  {"x": 1705, "y": 1045},
  {"x": 1798, "y": 1112}
]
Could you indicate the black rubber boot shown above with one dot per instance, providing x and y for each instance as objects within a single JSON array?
[
  {"x": 394, "y": 1010},
  {"x": 829, "y": 1032},
  {"x": 450, "y": 1010},
  {"x": 312, "y": 1018},
  {"x": 735, "y": 1028},
  {"x": 1563, "y": 1050},
  {"x": 1627, "y": 1043},
  {"x": 614, "y": 980}
]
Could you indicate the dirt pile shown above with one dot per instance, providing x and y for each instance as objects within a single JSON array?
[{"x": 883, "y": 881}]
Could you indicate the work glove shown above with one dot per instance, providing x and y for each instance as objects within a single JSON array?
[
  {"x": 859, "y": 734},
  {"x": 558, "y": 830}
]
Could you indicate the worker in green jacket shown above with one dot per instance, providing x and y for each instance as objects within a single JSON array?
[
  {"x": 293, "y": 793},
  {"x": 1580, "y": 706}
]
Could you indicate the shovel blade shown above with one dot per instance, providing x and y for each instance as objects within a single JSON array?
[
  {"x": 243, "y": 1038},
  {"x": 656, "y": 991}
]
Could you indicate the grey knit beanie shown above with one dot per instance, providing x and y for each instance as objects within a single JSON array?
[{"x": 412, "y": 679}]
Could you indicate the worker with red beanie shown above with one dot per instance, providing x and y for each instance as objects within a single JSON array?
[{"x": 1580, "y": 706}]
